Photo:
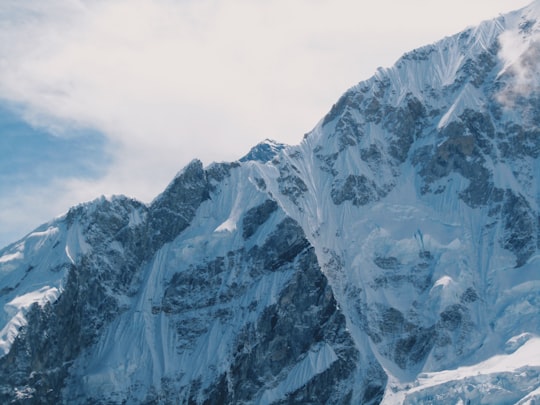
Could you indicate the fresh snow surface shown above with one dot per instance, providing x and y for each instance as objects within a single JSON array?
[
  {"x": 317, "y": 360},
  {"x": 17, "y": 308},
  {"x": 229, "y": 225},
  {"x": 9, "y": 257},
  {"x": 531, "y": 399},
  {"x": 444, "y": 281},
  {"x": 153, "y": 339},
  {"x": 525, "y": 357},
  {"x": 41, "y": 297},
  {"x": 365, "y": 251},
  {"x": 32, "y": 271}
]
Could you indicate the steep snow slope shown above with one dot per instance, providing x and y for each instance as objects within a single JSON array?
[
  {"x": 392, "y": 256},
  {"x": 205, "y": 299}
]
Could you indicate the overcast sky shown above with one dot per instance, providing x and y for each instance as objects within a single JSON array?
[{"x": 116, "y": 96}]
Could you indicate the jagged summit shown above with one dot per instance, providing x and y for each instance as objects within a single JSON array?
[
  {"x": 264, "y": 151},
  {"x": 392, "y": 257}
]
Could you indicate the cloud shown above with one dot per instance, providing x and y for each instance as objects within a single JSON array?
[
  {"x": 520, "y": 53},
  {"x": 170, "y": 80},
  {"x": 36, "y": 169}
]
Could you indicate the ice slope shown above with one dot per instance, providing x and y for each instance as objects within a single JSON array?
[
  {"x": 200, "y": 293},
  {"x": 33, "y": 271},
  {"x": 501, "y": 379},
  {"x": 392, "y": 256},
  {"x": 473, "y": 290},
  {"x": 170, "y": 286},
  {"x": 151, "y": 331},
  {"x": 425, "y": 258}
]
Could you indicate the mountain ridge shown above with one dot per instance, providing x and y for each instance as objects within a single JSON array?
[{"x": 397, "y": 242}]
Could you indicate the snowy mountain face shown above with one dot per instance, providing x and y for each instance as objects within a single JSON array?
[{"x": 392, "y": 257}]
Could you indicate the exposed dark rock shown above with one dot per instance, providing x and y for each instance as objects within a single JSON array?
[
  {"x": 463, "y": 150},
  {"x": 392, "y": 321},
  {"x": 355, "y": 188},
  {"x": 420, "y": 54},
  {"x": 406, "y": 123},
  {"x": 348, "y": 131},
  {"x": 350, "y": 100},
  {"x": 517, "y": 141},
  {"x": 284, "y": 245},
  {"x": 57, "y": 333},
  {"x": 305, "y": 317},
  {"x": 414, "y": 348},
  {"x": 328, "y": 162},
  {"x": 194, "y": 288},
  {"x": 519, "y": 224},
  {"x": 398, "y": 338},
  {"x": 290, "y": 184},
  {"x": 218, "y": 172},
  {"x": 173, "y": 210},
  {"x": 478, "y": 70},
  {"x": 371, "y": 155},
  {"x": 263, "y": 152},
  {"x": 387, "y": 263},
  {"x": 452, "y": 317},
  {"x": 257, "y": 216},
  {"x": 469, "y": 295}
]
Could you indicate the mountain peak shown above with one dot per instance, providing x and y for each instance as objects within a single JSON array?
[
  {"x": 397, "y": 243},
  {"x": 263, "y": 152}
]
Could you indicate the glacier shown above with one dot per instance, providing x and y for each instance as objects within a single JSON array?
[{"x": 391, "y": 257}]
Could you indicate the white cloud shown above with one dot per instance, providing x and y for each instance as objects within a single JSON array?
[
  {"x": 168, "y": 80},
  {"x": 520, "y": 52}
]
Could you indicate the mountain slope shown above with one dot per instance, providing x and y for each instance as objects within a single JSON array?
[{"x": 392, "y": 256}]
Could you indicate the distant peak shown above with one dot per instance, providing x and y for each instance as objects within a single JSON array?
[
  {"x": 272, "y": 143},
  {"x": 264, "y": 151},
  {"x": 195, "y": 164}
]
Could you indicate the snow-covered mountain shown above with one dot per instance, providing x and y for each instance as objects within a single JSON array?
[{"x": 392, "y": 256}]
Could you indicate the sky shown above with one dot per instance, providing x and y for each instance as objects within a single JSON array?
[{"x": 102, "y": 97}]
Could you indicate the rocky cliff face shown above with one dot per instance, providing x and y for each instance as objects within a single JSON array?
[{"x": 390, "y": 257}]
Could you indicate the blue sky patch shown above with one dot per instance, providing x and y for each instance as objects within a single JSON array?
[{"x": 31, "y": 156}]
